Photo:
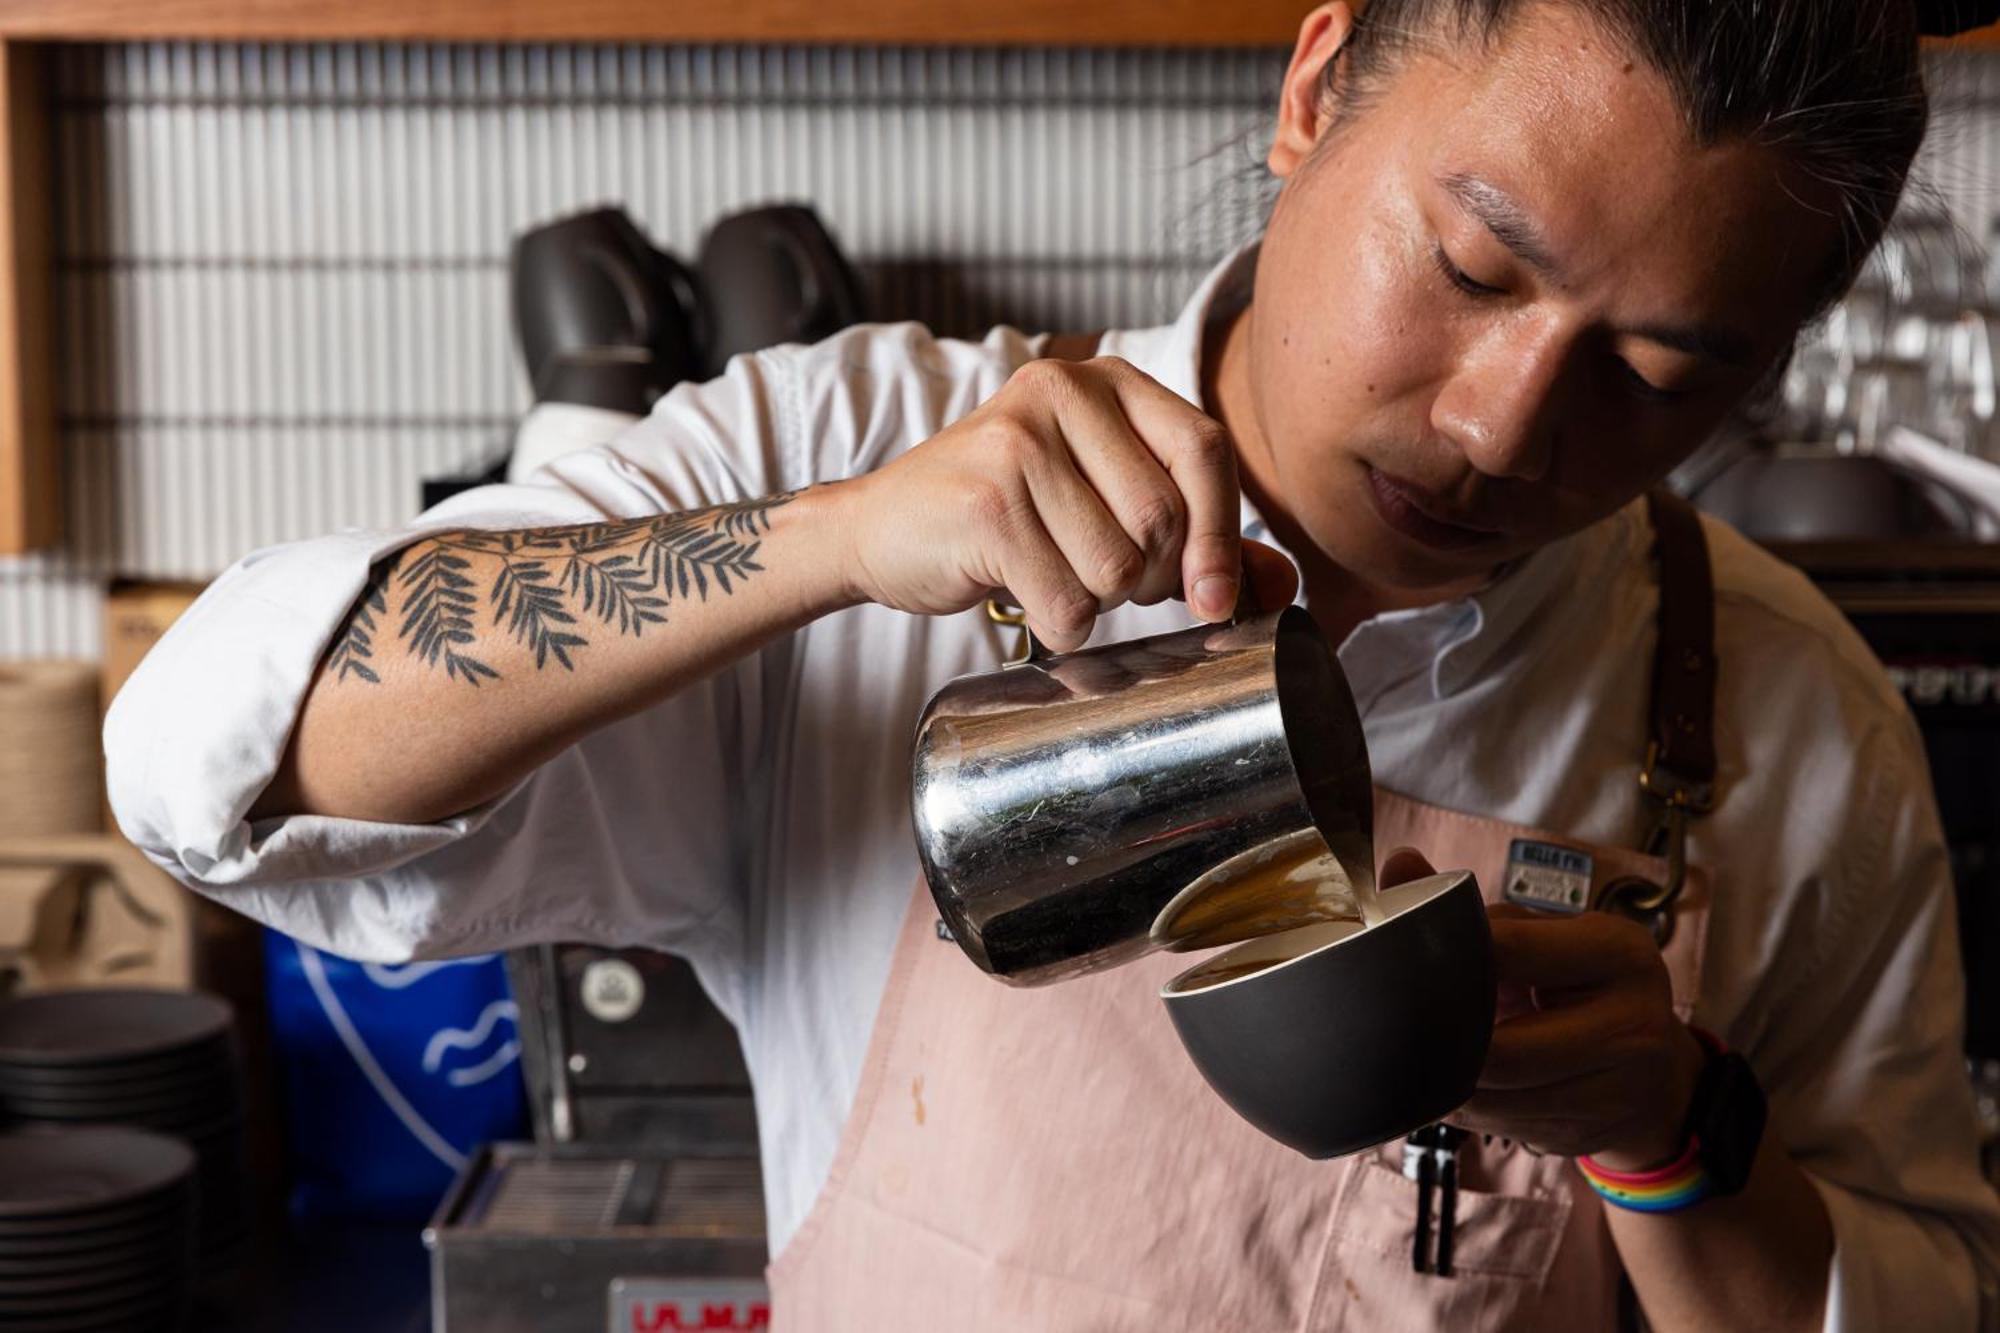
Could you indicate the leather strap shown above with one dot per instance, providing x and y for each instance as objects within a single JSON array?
[{"x": 1682, "y": 755}]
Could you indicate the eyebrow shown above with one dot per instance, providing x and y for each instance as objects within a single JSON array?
[
  {"x": 1503, "y": 215},
  {"x": 1514, "y": 227}
]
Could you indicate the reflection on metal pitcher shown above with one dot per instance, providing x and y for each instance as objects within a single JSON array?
[{"x": 1076, "y": 812}]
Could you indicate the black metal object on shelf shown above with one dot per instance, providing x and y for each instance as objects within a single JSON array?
[{"x": 623, "y": 1047}]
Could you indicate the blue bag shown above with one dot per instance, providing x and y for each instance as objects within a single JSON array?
[{"x": 392, "y": 1076}]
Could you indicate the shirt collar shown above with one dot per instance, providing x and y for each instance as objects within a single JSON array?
[
  {"x": 1172, "y": 353},
  {"x": 1460, "y": 638}
]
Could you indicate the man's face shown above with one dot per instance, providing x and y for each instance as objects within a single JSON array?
[{"x": 1506, "y": 296}]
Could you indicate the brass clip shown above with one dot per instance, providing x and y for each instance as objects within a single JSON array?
[{"x": 1025, "y": 651}]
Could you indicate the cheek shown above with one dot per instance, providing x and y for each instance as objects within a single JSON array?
[
  {"x": 1606, "y": 457},
  {"x": 1343, "y": 339}
]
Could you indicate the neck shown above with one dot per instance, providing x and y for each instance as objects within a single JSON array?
[{"x": 1339, "y": 598}]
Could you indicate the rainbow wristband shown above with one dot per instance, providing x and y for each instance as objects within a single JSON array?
[{"x": 1667, "y": 1190}]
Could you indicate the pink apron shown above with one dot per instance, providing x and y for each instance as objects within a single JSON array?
[{"x": 1050, "y": 1159}]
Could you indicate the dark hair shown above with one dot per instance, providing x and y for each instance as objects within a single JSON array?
[{"x": 1834, "y": 85}]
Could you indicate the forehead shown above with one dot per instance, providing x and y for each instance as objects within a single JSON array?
[{"x": 1589, "y": 141}]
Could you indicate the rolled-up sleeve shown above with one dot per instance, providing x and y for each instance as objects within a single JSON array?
[
  {"x": 622, "y": 837},
  {"x": 1866, "y": 1066}
]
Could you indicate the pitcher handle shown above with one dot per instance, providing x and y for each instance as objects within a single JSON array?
[{"x": 1030, "y": 649}]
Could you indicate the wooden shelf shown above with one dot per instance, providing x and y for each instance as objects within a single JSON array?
[
  {"x": 928, "y": 22},
  {"x": 30, "y": 487},
  {"x": 936, "y": 22}
]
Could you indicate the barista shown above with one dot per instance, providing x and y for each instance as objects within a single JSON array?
[{"x": 1524, "y": 258}]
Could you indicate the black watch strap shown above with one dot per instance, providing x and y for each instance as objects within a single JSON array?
[{"x": 1727, "y": 1118}]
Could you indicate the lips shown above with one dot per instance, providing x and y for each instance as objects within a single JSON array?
[{"x": 1416, "y": 516}]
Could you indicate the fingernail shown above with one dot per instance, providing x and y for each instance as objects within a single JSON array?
[{"x": 1214, "y": 597}]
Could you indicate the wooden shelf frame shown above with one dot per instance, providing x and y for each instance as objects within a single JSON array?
[
  {"x": 930, "y": 22},
  {"x": 927, "y": 22},
  {"x": 30, "y": 478}
]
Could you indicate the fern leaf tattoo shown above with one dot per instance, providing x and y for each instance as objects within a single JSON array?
[
  {"x": 355, "y": 647},
  {"x": 543, "y": 587}
]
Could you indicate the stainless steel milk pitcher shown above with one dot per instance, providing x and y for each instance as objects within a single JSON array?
[{"x": 1192, "y": 789}]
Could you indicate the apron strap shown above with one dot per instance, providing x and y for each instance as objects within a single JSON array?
[
  {"x": 1680, "y": 759},
  {"x": 1680, "y": 754}
]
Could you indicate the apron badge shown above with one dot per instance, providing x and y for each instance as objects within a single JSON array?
[{"x": 1548, "y": 878}]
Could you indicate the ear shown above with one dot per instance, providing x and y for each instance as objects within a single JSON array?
[{"x": 1302, "y": 115}]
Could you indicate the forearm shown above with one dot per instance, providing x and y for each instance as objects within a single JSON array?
[
  {"x": 1758, "y": 1260},
  {"x": 474, "y": 657}
]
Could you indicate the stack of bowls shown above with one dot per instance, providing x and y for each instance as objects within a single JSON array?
[
  {"x": 95, "y": 1231},
  {"x": 151, "y": 1059}
]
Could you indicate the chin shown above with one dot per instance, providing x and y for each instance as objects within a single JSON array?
[{"x": 1386, "y": 560}]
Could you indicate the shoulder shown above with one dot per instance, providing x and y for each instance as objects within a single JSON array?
[
  {"x": 1768, "y": 613},
  {"x": 853, "y": 401},
  {"x": 786, "y": 417},
  {"x": 910, "y": 350},
  {"x": 1812, "y": 732}
]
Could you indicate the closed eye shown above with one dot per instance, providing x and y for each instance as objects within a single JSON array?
[
  {"x": 1459, "y": 278},
  {"x": 1642, "y": 388}
]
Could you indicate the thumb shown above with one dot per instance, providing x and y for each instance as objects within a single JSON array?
[
  {"x": 1402, "y": 866},
  {"x": 1274, "y": 581}
]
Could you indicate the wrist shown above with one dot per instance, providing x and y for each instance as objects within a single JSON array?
[
  {"x": 834, "y": 577},
  {"x": 1723, "y": 1132},
  {"x": 1663, "y": 1140}
]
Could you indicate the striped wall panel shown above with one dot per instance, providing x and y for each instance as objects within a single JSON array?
[{"x": 281, "y": 269}]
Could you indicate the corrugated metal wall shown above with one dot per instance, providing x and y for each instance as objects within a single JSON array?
[{"x": 282, "y": 269}]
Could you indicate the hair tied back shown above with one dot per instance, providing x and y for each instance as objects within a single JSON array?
[{"x": 1948, "y": 18}]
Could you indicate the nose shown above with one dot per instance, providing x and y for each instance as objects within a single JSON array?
[{"x": 1499, "y": 405}]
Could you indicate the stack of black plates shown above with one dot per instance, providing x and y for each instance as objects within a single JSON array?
[
  {"x": 154, "y": 1059},
  {"x": 95, "y": 1231}
]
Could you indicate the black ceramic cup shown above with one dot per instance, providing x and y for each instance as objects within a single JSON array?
[{"x": 1334, "y": 1038}]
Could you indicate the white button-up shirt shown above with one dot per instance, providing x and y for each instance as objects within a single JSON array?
[{"x": 758, "y": 823}]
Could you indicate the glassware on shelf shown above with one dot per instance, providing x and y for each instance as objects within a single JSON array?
[
  {"x": 1927, "y": 258},
  {"x": 1883, "y": 394}
]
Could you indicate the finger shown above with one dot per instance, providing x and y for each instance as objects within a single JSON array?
[
  {"x": 1274, "y": 579},
  {"x": 1100, "y": 553},
  {"x": 1559, "y": 953},
  {"x": 1200, "y": 456},
  {"x": 1595, "y": 1095},
  {"x": 1511, "y": 1000},
  {"x": 1060, "y": 611},
  {"x": 1600, "y": 1093},
  {"x": 1403, "y": 866},
  {"x": 1547, "y": 1046},
  {"x": 1133, "y": 485},
  {"x": 1579, "y": 1115}
]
